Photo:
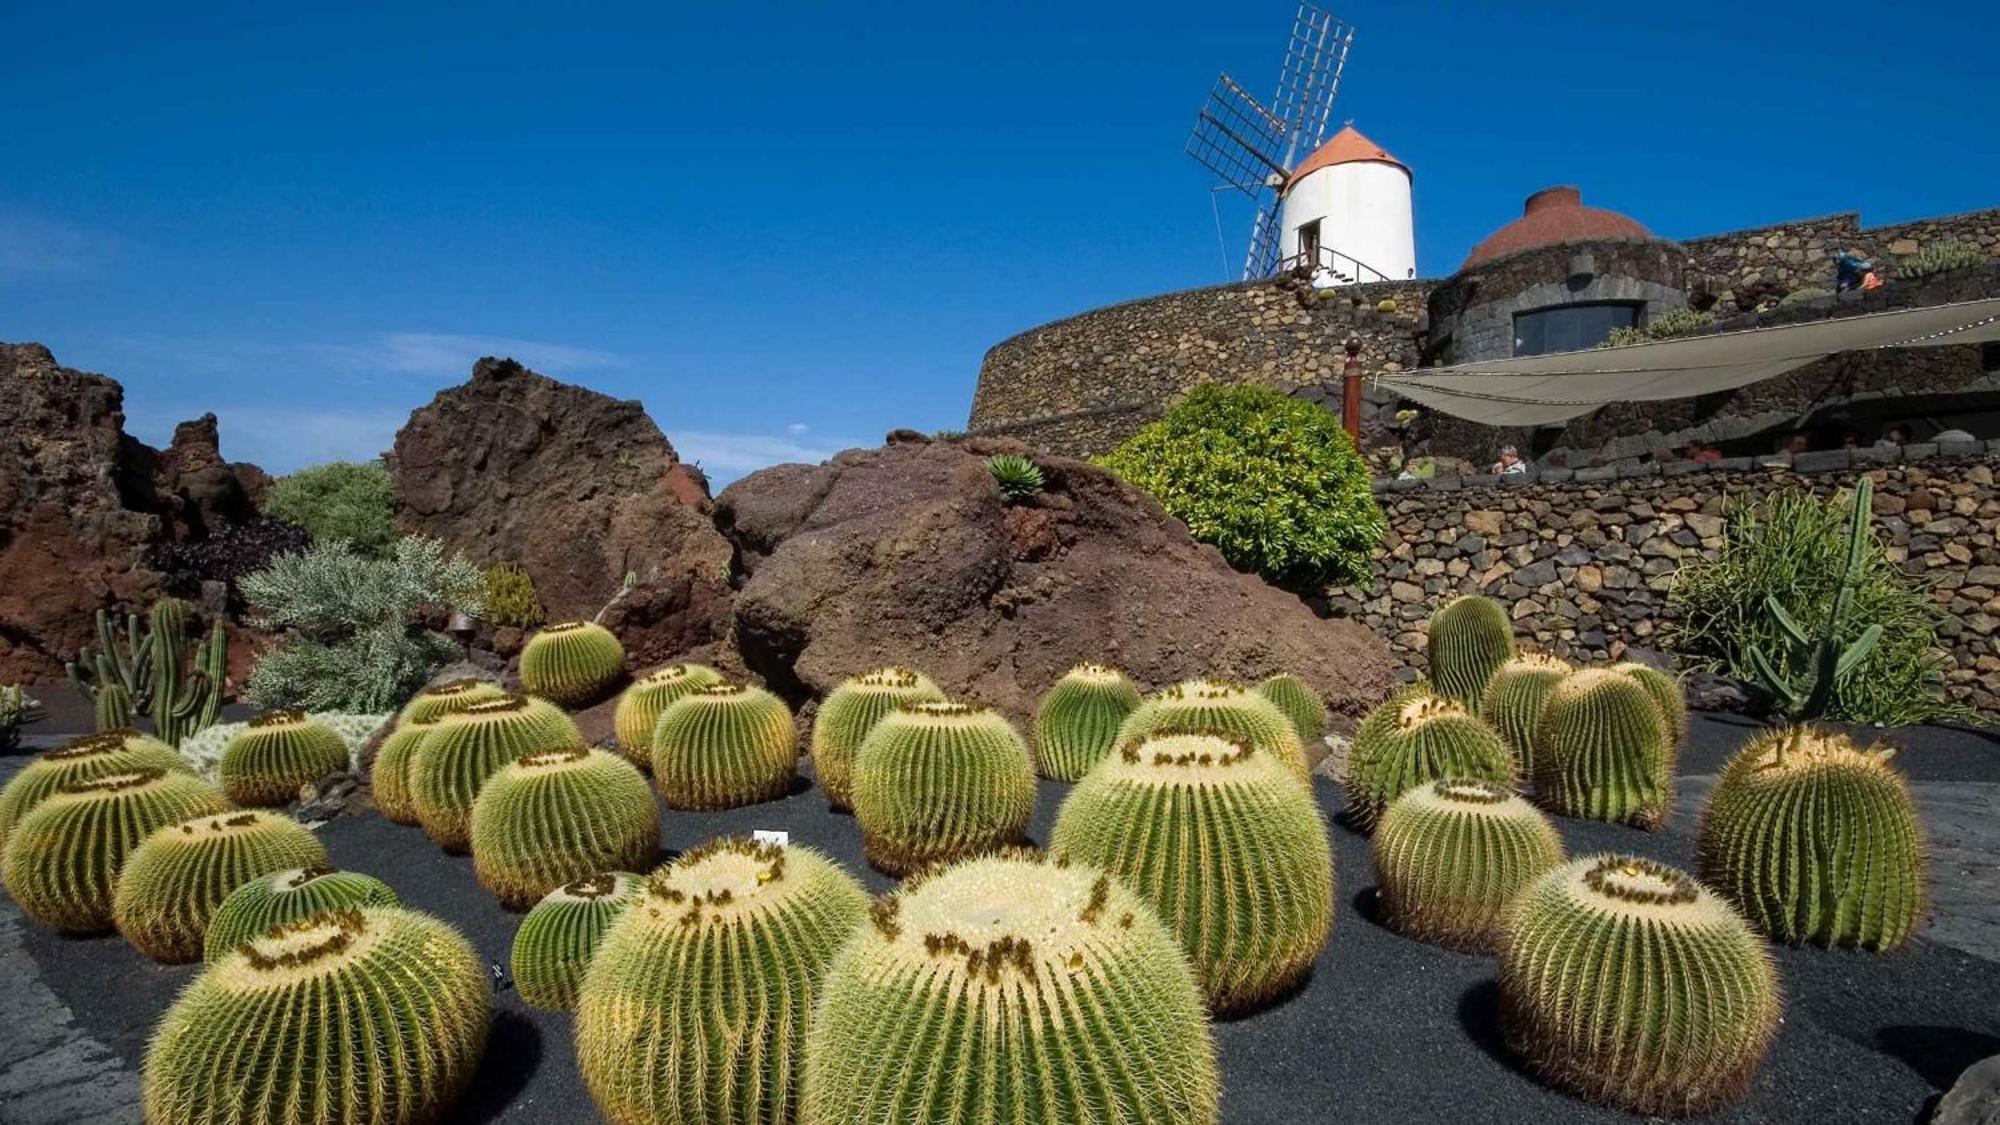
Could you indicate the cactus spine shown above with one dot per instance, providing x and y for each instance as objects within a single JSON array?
[
  {"x": 724, "y": 746},
  {"x": 389, "y": 778},
  {"x": 846, "y": 716},
  {"x": 447, "y": 698},
  {"x": 1300, "y": 703},
  {"x": 559, "y": 815},
  {"x": 640, "y": 706},
  {"x": 1667, "y": 694},
  {"x": 277, "y": 753},
  {"x": 466, "y": 748},
  {"x": 1467, "y": 641},
  {"x": 173, "y": 882},
  {"x": 937, "y": 782},
  {"x": 1218, "y": 705},
  {"x": 573, "y": 663},
  {"x": 1076, "y": 726},
  {"x": 288, "y": 896},
  {"x": 146, "y": 672},
  {"x": 1419, "y": 736},
  {"x": 561, "y": 934},
  {"x": 1603, "y": 751},
  {"x": 93, "y": 755},
  {"x": 1514, "y": 699},
  {"x": 1451, "y": 854}
]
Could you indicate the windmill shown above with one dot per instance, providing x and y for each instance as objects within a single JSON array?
[{"x": 1251, "y": 148}]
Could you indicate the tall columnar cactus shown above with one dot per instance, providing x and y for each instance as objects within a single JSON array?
[
  {"x": 346, "y": 1017},
  {"x": 1300, "y": 703},
  {"x": 276, "y": 754},
  {"x": 1451, "y": 854},
  {"x": 288, "y": 896},
  {"x": 937, "y": 782},
  {"x": 846, "y": 716},
  {"x": 175, "y": 880},
  {"x": 1625, "y": 981},
  {"x": 1219, "y": 705},
  {"x": 723, "y": 746},
  {"x": 1010, "y": 989},
  {"x": 147, "y": 672},
  {"x": 561, "y": 934},
  {"x": 63, "y": 858},
  {"x": 111, "y": 706},
  {"x": 447, "y": 698},
  {"x": 1667, "y": 693},
  {"x": 1514, "y": 698},
  {"x": 1817, "y": 841},
  {"x": 1467, "y": 641},
  {"x": 1604, "y": 752},
  {"x": 696, "y": 1007},
  {"x": 574, "y": 663},
  {"x": 640, "y": 706},
  {"x": 389, "y": 777},
  {"x": 466, "y": 748},
  {"x": 93, "y": 755},
  {"x": 1801, "y": 675},
  {"x": 17, "y": 709},
  {"x": 1419, "y": 736},
  {"x": 559, "y": 815},
  {"x": 1227, "y": 847},
  {"x": 1076, "y": 726}
]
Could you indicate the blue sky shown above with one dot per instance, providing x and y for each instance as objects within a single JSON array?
[{"x": 788, "y": 229}]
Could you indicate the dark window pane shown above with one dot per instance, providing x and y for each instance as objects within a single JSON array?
[{"x": 1567, "y": 328}]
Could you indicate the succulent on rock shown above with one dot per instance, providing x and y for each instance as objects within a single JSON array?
[
  {"x": 389, "y": 778},
  {"x": 1667, "y": 693},
  {"x": 466, "y": 748},
  {"x": 1018, "y": 477},
  {"x": 640, "y": 706},
  {"x": 1077, "y": 724},
  {"x": 558, "y": 815},
  {"x": 561, "y": 934},
  {"x": 1466, "y": 642},
  {"x": 175, "y": 880},
  {"x": 936, "y": 782},
  {"x": 1450, "y": 855},
  {"x": 1816, "y": 841},
  {"x": 723, "y": 746},
  {"x": 93, "y": 755},
  {"x": 62, "y": 859},
  {"x": 1221, "y": 841},
  {"x": 364, "y": 1014},
  {"x": 846, "y": 716},
  {"x": 1603, "y": 751},
  {"x": 1625, "y": 981},
  {"x": 1300, "y": 703},
  {"x": 1011, "y": 989},
  {"x": 276, "y": 753},
  {"x": 696, "y": 1007},
  {"x": 284, "y": 897},
  {"x": 1419, "y": 736},
  {"x": 451, "y": 696},
  {"x": 1514, "y": 698},
  {"x": 573, "y": 663},
  {"x": 1219, "y": 705}
]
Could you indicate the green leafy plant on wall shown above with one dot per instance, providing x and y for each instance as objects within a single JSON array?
[
  {"x": 1666, "y": 326},
  {"x": 511, "y": 601},
  {"x": 1942, "y": 257},
  {"x": 349, "y": 500}
]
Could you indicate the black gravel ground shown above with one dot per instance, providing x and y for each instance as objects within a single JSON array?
[{"x": 1386, "y": 1029}]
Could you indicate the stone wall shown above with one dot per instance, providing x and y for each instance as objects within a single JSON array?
[
  {"x": 1745, "y": 267},
  {"x": 1472, "y": 315}
]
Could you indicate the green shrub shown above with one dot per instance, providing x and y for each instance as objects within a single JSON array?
[
  {"x": 1270, "y": 480},
  {"x": 511, "y": 601},
  {"x": 349, "y": 500},
  {"x": 1803, "y": 294},
  {"x": 1940, "y": 258},
  {"x": 1679, "y": 322},
  {"x": 1019, "y": 478}
]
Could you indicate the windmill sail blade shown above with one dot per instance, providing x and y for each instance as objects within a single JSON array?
[
  {"x": 1263, "y": 258},
  {"x": 1309, "y": 79},
  {"x": 1237, "y": 139}
]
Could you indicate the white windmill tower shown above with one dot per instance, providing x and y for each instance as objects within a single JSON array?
[{"x": 1343, "y": 212}]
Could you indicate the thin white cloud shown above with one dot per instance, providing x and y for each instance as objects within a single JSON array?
[
  {"x": 729, "y": 455},
  {"x": 37, "y": 248},
  {"x": 449, "y": 356},
  {"x": 281, "y": 439},
  {"x": 797, "y": 428}
]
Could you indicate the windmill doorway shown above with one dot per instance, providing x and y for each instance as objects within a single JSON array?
[{"x": 1309, "y": 244}]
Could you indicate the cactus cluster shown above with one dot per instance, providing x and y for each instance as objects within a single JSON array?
[
  {"x": 93, "y": 755},
  {"x": 1300, "y": 703},
  {"x": 1604, "y": 751},
  {"x": 1466, "y": 642},
  {"x": 1419, "y": 736},
  {"x": 1228, "y": 708},
  {"x": 1011, "y": 989},
  {"x": 936, "y": 782},
  {"x": 172, "y": 884},
  {"x": 558, "y": 815},
  {"x": 640, "y": 706},
  {"x": 1451, "y": 854},
  {"x": 389, "y": 777},
  {"x": 446, "y": 698},
  {"x": 287, "y": 896},
  {"x": 846, "y": 716},
  {"x": 1816, "y": 841},
  {"x": 573, "y": 663},
  {"x": 1514, "y": 698},
  {"x": 467, "y": 747},
  {"x": 277, "y": 753},
  {"x": 1224, "y": 844},
  {"x": 561, "y": 934},
  {"x": 723, "y": 746},
  {"x": 146, "y": 673},
  {"x": 63, "y": 858},
  {"x": 696, "y": 1007},
  {"x": 369, "y": 1014},
  {"x": 1625, "y": 981},
  {"x": 1077, "y": 724}
]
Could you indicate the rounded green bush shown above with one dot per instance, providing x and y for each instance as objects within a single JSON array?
[
  {"x": 1419, "y": 736},
  {"x": 351, "y": 500},
  {"x": 451, "y": 696},
  {"x": 1223, "y": 707},
  {"x": 561, "y": 934},
  {"x": 1466, "y": 642},
  {"x": 573, "y": 663},
  {"x": 1450, "y": 855},
  {"x": 696, "y": 1007},
  {"x": 284, "y": 897},
  {"x": 93, "y": 755},
  {"x": 277, "y": 753},
  {"x": 466, "y": 748},
  {"x": 1667, "y": 693},
  {"x": 724, "y": 746},
  {"x": 1603, "y": 751},
  {"x": 1222, "y": 842},
  {"x": 174, "y": 881},
  {"x": 559, "y": 815},
  {"x": 1514, "y": 699},
  {"x": 936, "y": 782},
  {"x": 1816, "y": 841},
  {"x": 63, "y": 857},
  {"x": 389, "y": 778},
  {"x": 640, "y": 706},
  {"x": 1627, "y": 982},
  {"x": 1300, "y": 703},
  {"x": 1077, "y": 724},
  {"x": 1008, "y": 989},
  {"x": 346, "y": 1017},
  {"x": 846, "y": 716}
]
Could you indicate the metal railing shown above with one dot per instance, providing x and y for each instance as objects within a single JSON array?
[{"x": 1345, "y": 268}]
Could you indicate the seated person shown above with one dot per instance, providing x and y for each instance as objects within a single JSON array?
[{"x": 1509, "y": 463}]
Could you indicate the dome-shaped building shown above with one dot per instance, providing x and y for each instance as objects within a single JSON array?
[{"x": 1345, "y": 213}]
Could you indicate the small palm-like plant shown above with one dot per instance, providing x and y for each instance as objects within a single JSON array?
[
  {"x": 1019, "y": 478},
  {"x": 283, "y": 897},
  {"x": 561, "y": 934}
]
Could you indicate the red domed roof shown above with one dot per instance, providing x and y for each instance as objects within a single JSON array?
[
  {"x": 1344, "y": 147},
  {"x": 1554, "y": 214}
]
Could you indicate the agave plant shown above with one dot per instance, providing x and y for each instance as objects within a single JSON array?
[{"x": 1019, "y": 478}]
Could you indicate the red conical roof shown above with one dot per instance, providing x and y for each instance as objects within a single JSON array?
[
  {"x": 1554, "y": 214},
  {"x": 1344, "y": 147}
]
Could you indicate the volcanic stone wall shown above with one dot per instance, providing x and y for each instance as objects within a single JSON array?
[{"x": 1744, "y": 267}]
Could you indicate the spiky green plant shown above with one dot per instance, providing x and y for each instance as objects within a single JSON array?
[
  {"x": 1466, "y": 642},
  {"x": 389, "y": 777},
  {"x": 284, "y": 897},
  {"x": 723, "y": 746},
  {"x": 1224, "y": 844},
  {"x": 1817, "y": 841},
  {"x": 17, "y": 709},
  {"x": 1940, "y": 257},
  {"x": 1219, "y": 705},
  {"x": 447, "y": 698},
  {"x": 1077, "y": 724},
  {"x": 561, "y": 934},
  {"x": 936, "y": 782},
  {"x": 696, "y": 1007},
  {"x": 466, "y": 748},
  {"x": 276, "y": 753},
  {"x": 1450, "y": 855},
  {"x": 640, "y": 706},
  {"x": 1008, "y": 989},
  {"x": 1418, "y": 736},
  {"x": 559, "y": 815},
  {"x": 63, "y": 857},
  {"x": 93, "y": 755},
  {"x": 368, "y": 1014},
  {"x": 1667, "y": 693},
  {"x": 1514, "y": 698},
  {"x": 145, "y": 672},
  {"x": 1300, "y": 703},
  {"x": 846, "y": 716},
  {"x": 1604, "y": 751},
  {"x": 1625, "y": 981},
  {"x": 573, "y": 663},
  {"x": 173, "y": 882},
  {"x": 1018, "y": 477}
]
